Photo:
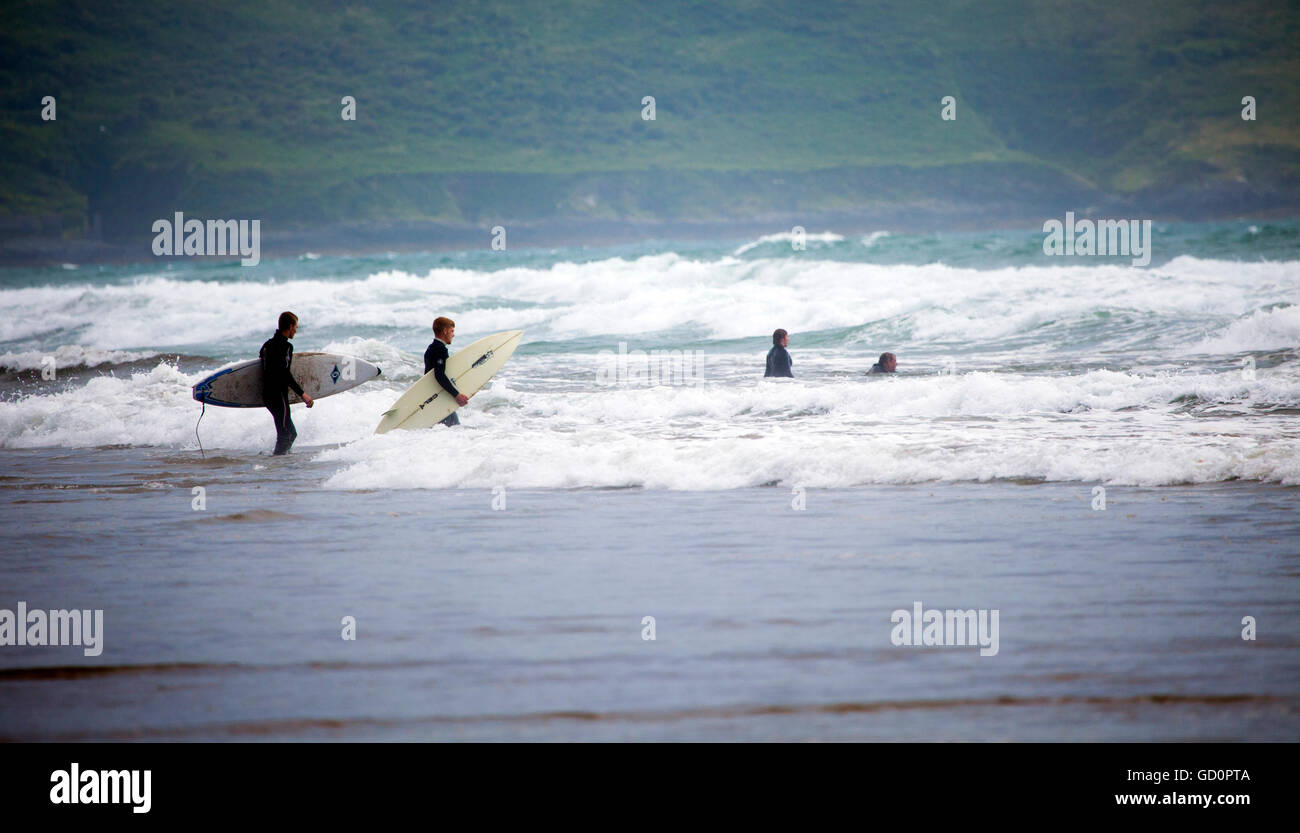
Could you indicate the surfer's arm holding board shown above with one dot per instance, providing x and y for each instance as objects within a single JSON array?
[
  {"x": 293, "y": 383},
  {"x": 277, "y": 365},
  {"x": 435, "y": 358}
]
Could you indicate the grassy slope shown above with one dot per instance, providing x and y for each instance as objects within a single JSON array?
[{"x": 234, "y": 107}]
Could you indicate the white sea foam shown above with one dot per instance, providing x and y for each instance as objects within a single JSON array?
[
  {"x": 1272, "y": 329},
  {"x": 1100, "y": 426},
  {"x": 70, "y": 355},
  {"x": 787, "y": 457},
  {"x": 395, "y": 363},
  {"x": 975, "y": 427},
  {"x": 1187, "y": 302}
]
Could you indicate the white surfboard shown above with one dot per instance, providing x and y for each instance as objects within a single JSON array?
[
  {"x": 427, "y": 403},
  {"x": 319, "y": 374}
]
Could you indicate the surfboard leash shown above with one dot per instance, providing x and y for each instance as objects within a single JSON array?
[{"x": 196, "y": 429}]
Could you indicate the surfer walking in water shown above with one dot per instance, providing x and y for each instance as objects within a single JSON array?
[
  {"x": 276, "y": 356},
  {"x": 435, "y": 359},
  {"x": 778, "y": 358}
]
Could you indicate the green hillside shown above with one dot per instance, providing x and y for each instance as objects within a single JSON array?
[{"x": 234, "y": 108}]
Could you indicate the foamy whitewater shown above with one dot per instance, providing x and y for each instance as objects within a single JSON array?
[{"x": 1012, "y": 365}]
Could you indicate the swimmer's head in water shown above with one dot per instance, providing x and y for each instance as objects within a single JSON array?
[
  {"x": 888, "y": 361},
  {"x": 779, "y": 337}
]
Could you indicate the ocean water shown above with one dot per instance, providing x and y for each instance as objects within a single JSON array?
[{"x": 631, "y": 461}]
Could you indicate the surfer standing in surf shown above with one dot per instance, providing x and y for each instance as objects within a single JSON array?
[
  {"x": 778, "y": 358},
  {"x": 435, "y": 359},
  {"x": 276, "y": 356}
]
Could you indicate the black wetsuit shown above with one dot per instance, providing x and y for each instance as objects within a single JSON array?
[
  {"x": 779, "y": 362},
  {"x": 876, "y": 368},
  {"x": 435, "y": 359},
  {"x": 276, "y": 355}
]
